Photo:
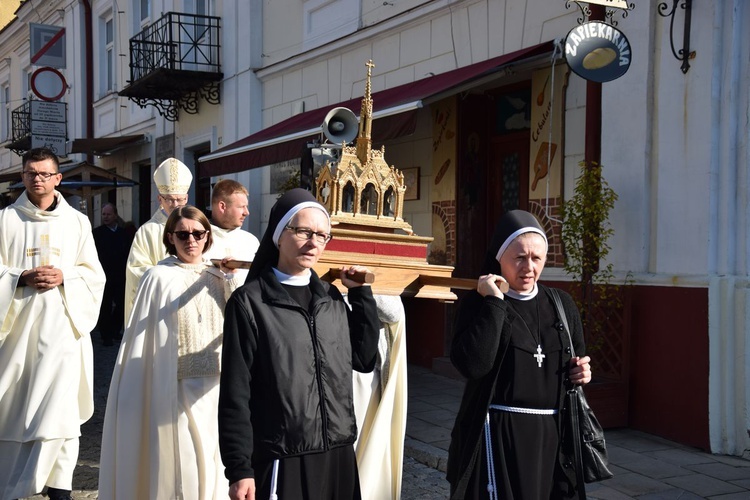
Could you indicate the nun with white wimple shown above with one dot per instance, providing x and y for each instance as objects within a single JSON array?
[
  {"x": 286, "y": 417},
  {"x": 516, "y": 359}
]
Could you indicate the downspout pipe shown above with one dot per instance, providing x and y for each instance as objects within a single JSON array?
[{"x": 89, "y": 76}]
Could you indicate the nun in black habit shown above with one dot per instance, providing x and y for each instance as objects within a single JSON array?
[
  {"x": 516, "y": 358},
  {"x": 286, "y": 415}
]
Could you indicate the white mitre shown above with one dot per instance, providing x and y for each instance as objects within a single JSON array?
[{"x": 172, "y": 177}]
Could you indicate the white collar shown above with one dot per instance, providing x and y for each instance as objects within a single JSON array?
[
  {"x": 293, "y": 280},
  {"x": 523, "y": 296}
]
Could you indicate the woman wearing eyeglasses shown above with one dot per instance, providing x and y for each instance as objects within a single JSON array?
[
  {"x": 286, "y": 417},
  {"x": 160, "y": 435}
]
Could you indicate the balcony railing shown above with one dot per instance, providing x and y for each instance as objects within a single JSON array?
[
  {"x": 21, "y": 117},
  {"x": 21, "y": 129},
  {"x": 174, "y": 61},
  {"x": 182, "y": 42}
]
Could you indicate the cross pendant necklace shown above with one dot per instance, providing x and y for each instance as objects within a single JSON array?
[{"x": 538, "y": 356}]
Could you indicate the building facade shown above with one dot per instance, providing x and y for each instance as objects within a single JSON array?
[{"x": 481, "y": 111}]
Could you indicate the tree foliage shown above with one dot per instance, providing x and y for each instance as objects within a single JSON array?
[{"x": 586, "y": 233}]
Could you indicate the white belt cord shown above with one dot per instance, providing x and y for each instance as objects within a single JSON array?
[
  {"x": 491, "y": 479},
  {"x": 528, "y": 411},
  {"x": 274, "y": 479}
]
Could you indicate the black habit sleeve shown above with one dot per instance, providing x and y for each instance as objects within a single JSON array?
[
  {"x": 476, "y": 334},
  {"x": 235, "y": 428}
]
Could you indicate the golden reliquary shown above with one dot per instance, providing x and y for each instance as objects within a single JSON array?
[{"x": 365, "y": 197}]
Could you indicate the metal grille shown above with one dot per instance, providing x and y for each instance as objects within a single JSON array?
[
  {"x": 176, "y": 41},
  {"x": 21, "y": 117},
  {"x": 609, "y": 343}
]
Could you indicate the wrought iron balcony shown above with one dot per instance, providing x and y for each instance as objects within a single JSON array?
[
  {"x": 21, "y": 129},
  {"x": 174, "y": 62}
]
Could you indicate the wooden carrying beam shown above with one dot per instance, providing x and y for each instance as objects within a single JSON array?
[
  {"x": 395, "y": 278},
  {"x": 459, "y": 283}
]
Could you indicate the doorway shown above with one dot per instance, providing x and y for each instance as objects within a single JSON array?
[
  {"x": 202, "y": 184},
  {"x": 145, "y": 179},
  {"x": 493, "y": 176}
]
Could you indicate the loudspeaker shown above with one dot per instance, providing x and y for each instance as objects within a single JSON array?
[{"x": 340, "y": 125}]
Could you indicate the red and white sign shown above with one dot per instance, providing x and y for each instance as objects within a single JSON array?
[
  {"x": 48, "y": 84},
  {"x": 47, "y": 45}
]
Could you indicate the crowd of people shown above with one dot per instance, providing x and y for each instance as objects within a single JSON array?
[{"x": 260, "y": 380}]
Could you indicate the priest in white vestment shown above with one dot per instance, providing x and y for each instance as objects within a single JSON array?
[
  {"x": 160, "y": 438},
  {"x": 380, "y": 404},
  {"x": 228, "y": 211},
  {"x": 51, "y": 286},
  {"x": 172, "y": 179}
]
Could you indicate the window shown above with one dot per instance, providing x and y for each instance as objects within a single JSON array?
[
  {"x": 199, "y": 7},
  {"x": 6, "y": 125},
  {"x": 144, "y": 10},
  {"x": 27, "y": 83},
  {"x": 108, "y": 79}
]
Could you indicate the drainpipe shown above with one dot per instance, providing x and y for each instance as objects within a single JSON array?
[{"x": 89, "y": 77}]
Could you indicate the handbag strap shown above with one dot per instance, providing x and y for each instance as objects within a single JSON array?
[
  {"x": 572, "y": 401},
  {"x": 563, "y": 318}
]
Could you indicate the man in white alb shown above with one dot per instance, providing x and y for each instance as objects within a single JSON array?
[
  {"x": 172, "y": 179},
  {"x": 51, "y": 286},
  {"x": 228, "y": 211}
]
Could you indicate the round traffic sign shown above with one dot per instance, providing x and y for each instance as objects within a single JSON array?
[{"x": 48, "y": 84}]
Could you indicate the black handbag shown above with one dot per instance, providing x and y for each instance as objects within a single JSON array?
[{"x": 589, "y": 446}]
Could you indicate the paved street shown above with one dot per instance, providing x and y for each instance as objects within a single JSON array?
[
  {"x": 646, "y": 467},
  {"x": 421, "y": 482}
]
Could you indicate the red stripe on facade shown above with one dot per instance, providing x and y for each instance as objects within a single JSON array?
[{"x": 376, "y": 248}]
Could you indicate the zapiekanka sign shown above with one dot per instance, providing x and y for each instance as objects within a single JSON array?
[{"x": 597, "y": 51}]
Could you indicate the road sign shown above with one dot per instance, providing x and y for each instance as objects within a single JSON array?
[
  {"x": 48, "y": 84},
  {"x": 56, "y": 144},
  {"x": 48, "y": 111},
  {"x": 47, "y": 45},
  {"x": 57, "y": 129},
  {"x": 49, "y": 126}
]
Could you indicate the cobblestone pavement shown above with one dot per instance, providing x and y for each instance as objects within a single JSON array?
[{"x": 420, "y": 482}]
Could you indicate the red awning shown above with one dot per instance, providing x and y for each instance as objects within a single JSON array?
[
  {"x": 397, "y": 117},
  {"x": 104, "y": 146}
]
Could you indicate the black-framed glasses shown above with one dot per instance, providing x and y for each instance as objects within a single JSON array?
[
  {"x": 177, "y": 200},
  {"x": 184, "y": 235},
  {"x": 304, "y": 233},
  {"x": 45, "y": 176}
]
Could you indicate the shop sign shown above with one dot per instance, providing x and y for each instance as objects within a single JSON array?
[
  {"x": 597, "y": 51},
  {"x": 617, "y": 4}
]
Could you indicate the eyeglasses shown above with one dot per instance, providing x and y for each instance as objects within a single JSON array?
[
  {"x": 304, "y": 233},
  {"x": 45, "y": 176},
  {"x": 184, "y": 235},
  {"x": 174, "y": 201}
]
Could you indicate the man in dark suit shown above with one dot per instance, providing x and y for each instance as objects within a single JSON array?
[{"x": 112, "y": 244}]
